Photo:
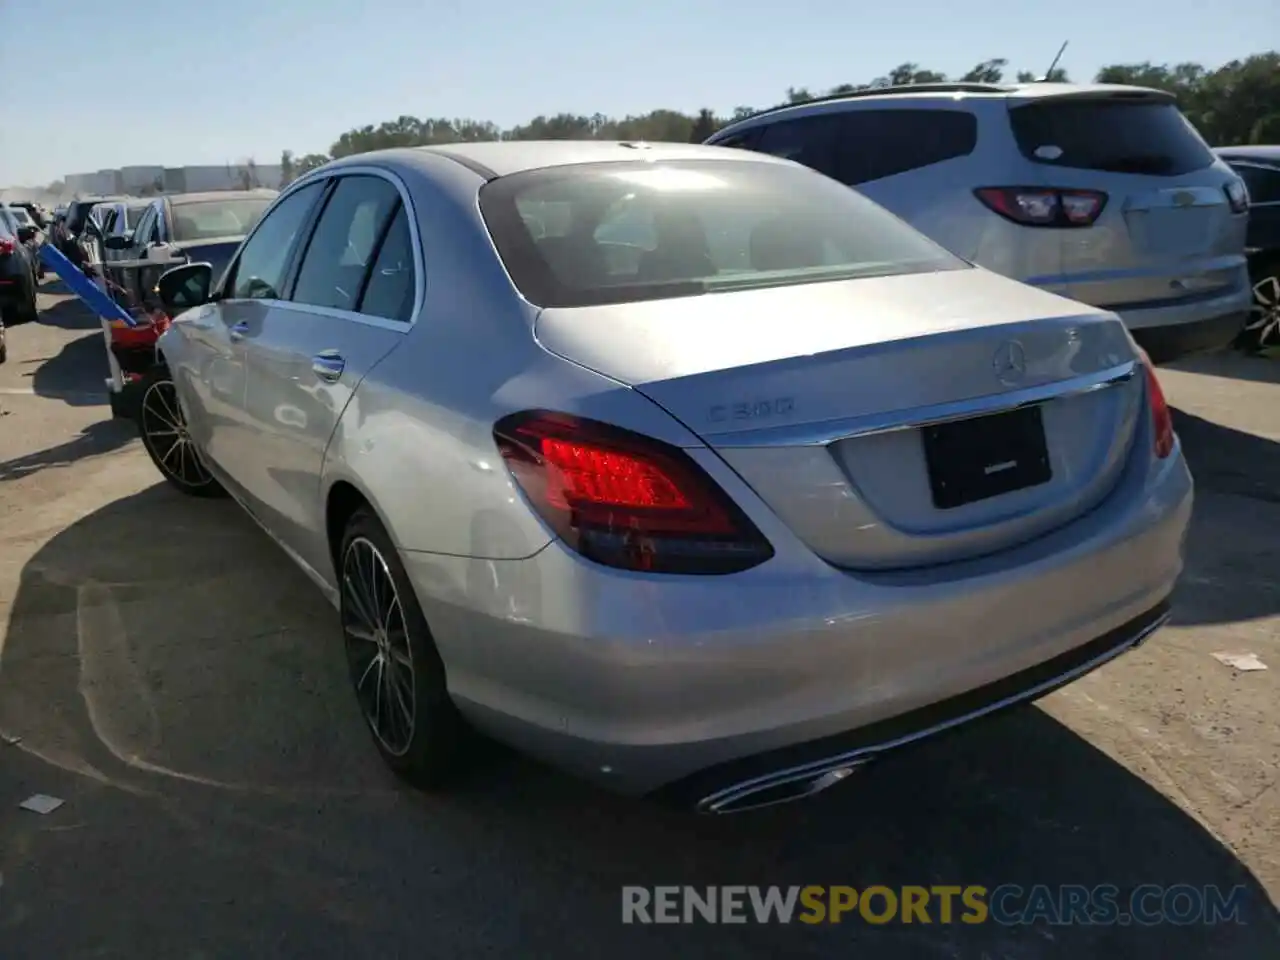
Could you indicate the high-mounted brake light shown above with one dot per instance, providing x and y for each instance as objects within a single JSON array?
[
  {"x": 626, "y": 500},
  {"x": 1044, "y": 206},
  {"x": 1161, "y": 416}
]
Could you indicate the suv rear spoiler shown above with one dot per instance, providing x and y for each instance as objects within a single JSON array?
[{"x": 1111, "y": 93}]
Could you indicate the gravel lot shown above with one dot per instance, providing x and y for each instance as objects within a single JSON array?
[{"x": 179, "y": 684}]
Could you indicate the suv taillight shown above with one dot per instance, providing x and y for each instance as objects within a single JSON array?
[
  {"x": 1161, "y": 416},
  {"x": 1237, "y": 195},
  {"x": 6, "y": 246},
  {"x": 626, "y": 500},
  {"x": 1044, "y": 206}
]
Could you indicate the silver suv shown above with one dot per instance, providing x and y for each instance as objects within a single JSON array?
[{"x": 1099, "y": 192}]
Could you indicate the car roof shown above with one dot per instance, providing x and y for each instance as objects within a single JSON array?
[
  {"x": 178, "y": 199},
  {"x": 1018, "y": 92},
  {"x": 501, "y": 158}
]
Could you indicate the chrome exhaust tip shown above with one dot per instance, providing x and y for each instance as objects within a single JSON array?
[{"x": 770, "y": 791}]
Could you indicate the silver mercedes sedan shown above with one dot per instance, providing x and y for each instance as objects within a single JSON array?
[{"x": 687, "y": 470}]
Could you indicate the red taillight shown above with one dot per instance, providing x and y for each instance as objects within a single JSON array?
[
  {"x": 6, "y": 246},
  {"x": 1161, "y": 417},
  {"x": 626, "y": 500},
  {"x": 1044, "y": 206}
]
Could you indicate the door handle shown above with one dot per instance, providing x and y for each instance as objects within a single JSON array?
[
  {"x": 328, "y": 366},
  {"x": 238, "y": 332}
]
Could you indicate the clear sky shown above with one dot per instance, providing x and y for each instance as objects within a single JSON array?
[{"x": 112, "y": 83}]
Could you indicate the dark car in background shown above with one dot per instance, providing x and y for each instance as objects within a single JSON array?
[
  {"x": 17, "y": 271},
  {"x": 1259, "y": 167},
  {"x": 180, "y": 228},
  {"x": 39, "y": 215},
  {"x": 22, "y": 218}
]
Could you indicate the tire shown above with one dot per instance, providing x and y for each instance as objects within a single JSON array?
[
  {"x": 1262, "y": 330},
  {"x": 425, "y": 746},
  {"x": 163, "y": 427}
]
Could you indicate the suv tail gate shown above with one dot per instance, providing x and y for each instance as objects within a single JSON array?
[{"x": 1166, "y": 233}]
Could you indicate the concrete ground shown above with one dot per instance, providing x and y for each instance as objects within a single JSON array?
[{"x": 167, "y": 673}]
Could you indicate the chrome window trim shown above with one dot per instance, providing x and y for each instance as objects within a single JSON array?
[{"x": 833, "y": 431}]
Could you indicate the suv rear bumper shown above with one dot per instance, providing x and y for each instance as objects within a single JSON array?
[{"x": 1166, "y": 343}]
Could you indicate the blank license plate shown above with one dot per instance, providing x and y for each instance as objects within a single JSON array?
[{"x": 972, "y": 460}]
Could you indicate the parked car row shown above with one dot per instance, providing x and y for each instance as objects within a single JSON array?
[
  {"x": 133, "y": 240},
  {"x": 693, "y": 471},
  {"x": 1260, "y": 168},
  {"x": 19, "y": 268}
]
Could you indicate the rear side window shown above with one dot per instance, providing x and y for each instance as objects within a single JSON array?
[
  {"x": 593, "y": 234},
  {"x": 1116, "y": 136},
  {"x": 859, "y": 146},
  {"x": 389, "y": 290}
]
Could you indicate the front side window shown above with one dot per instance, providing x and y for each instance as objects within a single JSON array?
[
  {"x": 806, "y": 140},
  {"x": 644, "y": 231},
  {"x": 259, "y": 272},
  {"x": 337, "y": 258},
  {"x": 142, "y": 235}
]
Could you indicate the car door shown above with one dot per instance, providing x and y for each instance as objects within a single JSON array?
[
  {"x": 211, "y": 380},
  {"x": 351, "y": 303},
  {"x": 134, "y": 260},
  {"x": 158, "y": 255}
]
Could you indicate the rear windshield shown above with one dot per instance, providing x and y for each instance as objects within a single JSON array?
[
  {"x": 1113, "y": 135},
  {"x": 209, "y": 219},
  {"x": 591, "y": 234},
  {"x": 21, "y": 217}
]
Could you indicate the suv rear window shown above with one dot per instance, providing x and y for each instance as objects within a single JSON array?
[
  {"x": 1118, "y": 136},
  {"x": 592, "y": 234}
]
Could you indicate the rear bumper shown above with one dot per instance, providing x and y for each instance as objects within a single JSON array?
[
  {"x": 640, "y": 682},
  {"x": 1168, "y": 343},
  {"x": 794, "y": 772}
]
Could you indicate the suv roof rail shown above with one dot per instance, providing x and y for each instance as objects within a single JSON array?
[{"x": 958, "y": 86}]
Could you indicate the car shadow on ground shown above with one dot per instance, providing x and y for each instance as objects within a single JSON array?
[
  {"x": 1237, "y": 477},
  {"x": 69, "y": 315},
  {"x": 1232, "y": 364},
  {"x": 169, "y": 670},
  {"x": 75, "y": 375},
  {"x": 99, "y": 437}
]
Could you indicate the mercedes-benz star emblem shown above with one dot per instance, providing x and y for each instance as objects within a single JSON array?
[{"x": 1010, "y": 362}]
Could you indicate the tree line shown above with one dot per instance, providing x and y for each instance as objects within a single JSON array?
[{"x": 1238, "y": 102}]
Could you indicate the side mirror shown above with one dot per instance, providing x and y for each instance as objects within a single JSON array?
[
  {"x": 185, "y": 287},
  {"x": 26, "y": 234},
  {"x": 118, "y": 241}
]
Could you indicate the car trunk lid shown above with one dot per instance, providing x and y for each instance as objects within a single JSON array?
[{"x": 850, "y": 407}]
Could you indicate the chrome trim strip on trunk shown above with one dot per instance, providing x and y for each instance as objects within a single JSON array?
[
  {"x": 832, "y": 431},
  {"x": 808, "y": 776}
]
